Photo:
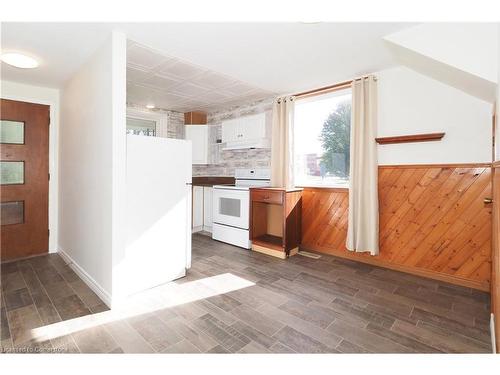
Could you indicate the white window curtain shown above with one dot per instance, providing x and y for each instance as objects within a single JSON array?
[
  {"x": 363, "y": 224},
  {"x": 282, "y": 143}
]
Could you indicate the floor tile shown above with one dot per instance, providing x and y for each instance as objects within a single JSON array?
[
  {"x": 128, "y": 338},
  {"x": 58, "y": 290},
  {"x": 17, "y": 299},
  {"x": 196, "y": 337},
  {"x": 95, "y": 340},
  {"x": 300, "y": 342},
  {"x": 155, "y": 332},
  {"x": 12, "y": 281},
  {"x": 298, "y": 305},
  {"x": 70, "y": 307},
  {"x": 226, "y": 336},
  {"x": 257, "y": 320},
  {"x": 183, "y": 346},
  {"x": 254, "y": 334}
]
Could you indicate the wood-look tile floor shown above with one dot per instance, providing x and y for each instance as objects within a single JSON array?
[{"x": 235, "y": 300}]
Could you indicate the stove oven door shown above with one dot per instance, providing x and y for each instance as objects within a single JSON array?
[{"x": 231, "y": 207}]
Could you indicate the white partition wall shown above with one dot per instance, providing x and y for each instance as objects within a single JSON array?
[
  {"x": 158, "y": 214},
  {"x": 92, "y": 165}
]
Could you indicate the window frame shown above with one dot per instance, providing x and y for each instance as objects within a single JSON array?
[
  {"x": 310, "y": 98},
  {"x": 160, "y": 119}
]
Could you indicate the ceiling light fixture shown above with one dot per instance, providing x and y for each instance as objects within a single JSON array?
[
  {"x": 19, "y": 60},
  {"x": 150, "y": 106}
]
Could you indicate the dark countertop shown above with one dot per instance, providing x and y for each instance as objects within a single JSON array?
[
  {"x": 290, "y": 190},
  {"x": 211, "y": 180}
]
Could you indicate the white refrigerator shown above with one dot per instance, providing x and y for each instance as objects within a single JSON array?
[{"x": 159, "y": 192}]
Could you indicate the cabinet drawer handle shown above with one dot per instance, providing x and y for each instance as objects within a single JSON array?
[{"x": 265, "y": 197}]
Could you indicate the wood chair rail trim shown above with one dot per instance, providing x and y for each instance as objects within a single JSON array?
[{"x": 428, "y": 137}]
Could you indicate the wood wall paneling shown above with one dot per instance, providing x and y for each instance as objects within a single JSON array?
[{"x": 433, "y": 222}]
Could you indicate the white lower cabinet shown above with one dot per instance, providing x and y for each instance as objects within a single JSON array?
[
  {"x": 202, "y": 208},
  {"x": 197, "y": 208},
  {"x": 207, "y": 209}
]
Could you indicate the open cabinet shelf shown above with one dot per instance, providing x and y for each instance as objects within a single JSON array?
[
  {"x": 275, "y": 221},
  {"x": 269, "y": 240}
]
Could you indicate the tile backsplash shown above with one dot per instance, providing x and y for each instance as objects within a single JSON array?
[{"x": 224, "y": 162}]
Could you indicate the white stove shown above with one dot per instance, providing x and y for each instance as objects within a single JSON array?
[
  {"x": 231, "y": 206},
  {"x": 247, "y": 178}
]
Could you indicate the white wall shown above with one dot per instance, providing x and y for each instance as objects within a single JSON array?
[
  {"x": 471, "y": 47},
  {"x": 92, "y": 164},
  {"x": 411, "y": 103},
  {"x": 48, "y": 96}
]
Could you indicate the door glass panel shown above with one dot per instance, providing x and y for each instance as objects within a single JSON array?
[
  {"x": 230, "y": 207},
  {"x": 11, "y": 172},
  {"x": 12, "y": 212},
  {"x": 11, "y": 132}
]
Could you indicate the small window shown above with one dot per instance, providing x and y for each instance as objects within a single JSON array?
[
  {"x": 138, "y": 126},
  {"x": 322, "y": 127},
  {"x": 11, "y": 172},
  {"x": 11, "y": 132},
  {"x": 12, "y": 212}
]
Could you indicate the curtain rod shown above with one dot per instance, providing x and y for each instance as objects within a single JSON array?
[{"x": 331, "y": 88}]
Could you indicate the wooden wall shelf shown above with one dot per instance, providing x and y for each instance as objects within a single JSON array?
[{"x": 410, "y": 138}]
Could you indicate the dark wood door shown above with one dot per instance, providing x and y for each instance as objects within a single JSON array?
[{"x": 24, "y": 179}]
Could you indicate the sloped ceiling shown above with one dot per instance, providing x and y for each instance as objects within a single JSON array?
[
  {"x": 278, "y": 57},
  {"x": 463, "y": 56}
]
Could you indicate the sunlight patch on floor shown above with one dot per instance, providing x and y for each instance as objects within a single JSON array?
[{"x": 158, "y": 298}]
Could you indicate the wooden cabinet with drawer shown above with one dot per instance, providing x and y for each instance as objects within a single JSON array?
[
  {"x": 275, "y": 221},
  {"x": 267, "y": 196}
]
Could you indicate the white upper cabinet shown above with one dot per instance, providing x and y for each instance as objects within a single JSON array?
[
  {"x": 246, "y": 132},
  {"x": 198, "y": 135},
  {"x": 230, "y": 131}
]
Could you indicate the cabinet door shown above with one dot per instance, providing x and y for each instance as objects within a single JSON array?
[
  {"x": 230, "y": 131},
  {"x": 197, "y": 208},
  {"x": 256, "y": 127},
  {"x": 243, "y": 129},
  {"x": 226, "y": 131},
  {"x": 207, "y": 209},
  {"x": 252, "y": 127},
  {"x": 198, "y": 135}
]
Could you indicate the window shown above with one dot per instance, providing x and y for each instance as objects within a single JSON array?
[
  {"x": 322, "y": 128},
  {"x": 11, "y": 172},
  {"x": 11, "y": 132},
  {"x": 141, "y": 126}
]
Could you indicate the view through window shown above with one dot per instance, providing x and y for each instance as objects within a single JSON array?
[
  {"x": 141, "y": 127},
  {"x": 322, "y": 128}
]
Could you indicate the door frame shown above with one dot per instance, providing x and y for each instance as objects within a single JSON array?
[{"x": 53, "y": 152}]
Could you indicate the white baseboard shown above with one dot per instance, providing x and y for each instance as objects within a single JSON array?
[
  {"x": 86, "y": 278},
  {"x": 492, "y": 334}
]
